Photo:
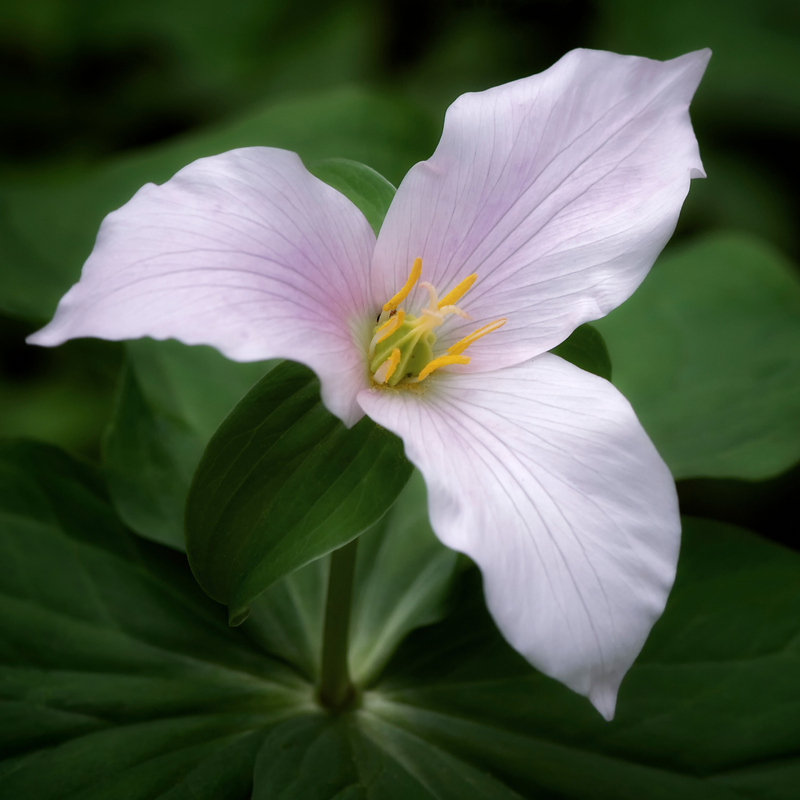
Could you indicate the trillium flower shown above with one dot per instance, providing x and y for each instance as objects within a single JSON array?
[{"x": 543, "y": 207}]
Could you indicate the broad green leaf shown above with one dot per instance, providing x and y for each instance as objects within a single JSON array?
[
  {"x": 287, "y": 619},
  {"x": 586, "y": 349},
  {"x": 42, "y": 260},
  {"x": 708, "y": 353},
  {"x": 367, "y": 189},
  {"x": 149, "y": 464},
  {"x": 708, "y": 711},
  {"x": 402, "y": 581},
  {"x": 403, "y": 577},
  {"x": 119, "y": 677},
  {"x": 170, "y": 400},
  {"x": 281, "y": 483},
  {"x": 362, "y": 757}
]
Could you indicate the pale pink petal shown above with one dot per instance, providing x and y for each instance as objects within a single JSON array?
[
  {"x": 558, "y": 190},
  {"x": 245, "y": 251},
  {"x": 542, "y": 474}
]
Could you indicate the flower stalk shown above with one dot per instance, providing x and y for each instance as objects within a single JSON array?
[{"x": 336, "y": 689}]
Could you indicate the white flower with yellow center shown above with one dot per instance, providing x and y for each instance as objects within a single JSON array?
[
  {"x": 401, "y": 350},
  {"x": 548, "y": 199}
]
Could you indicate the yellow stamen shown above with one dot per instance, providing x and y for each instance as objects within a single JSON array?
[
  {"x": 391, "y": 326},
  {"x": 386, "y": 370},
  {"x": 442, "y": 361},
  {"x": 460, "y": 347},
  {"x": 454, "y": 295},
  {"x": 416, "y": 271}
]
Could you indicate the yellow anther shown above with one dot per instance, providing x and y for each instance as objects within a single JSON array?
[
  {"x": 416, "y": 271},
  {"x": 454, "y": 295},
  {"x": 386, "y": 370},
  {"x": 442, "y": 361},
  {"x": 391, "y": 326},
  {"x": 460, "y": 347}
]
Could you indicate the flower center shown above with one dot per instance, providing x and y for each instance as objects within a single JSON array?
[{"x": 401, "y": 350}]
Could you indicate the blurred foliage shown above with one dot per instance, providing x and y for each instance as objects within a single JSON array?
[
  {"x": 747, "y": 110},
  {"x": 92, "y": 77},
  {"x": 713, "y": 373},
  {"x": 61, "y": 396},
  {"x": 99, "y": 97}
]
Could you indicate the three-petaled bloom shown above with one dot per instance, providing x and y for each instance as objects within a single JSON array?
[{"x": 544, "y": 206}]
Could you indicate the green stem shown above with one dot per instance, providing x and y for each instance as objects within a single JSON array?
[{"x": 336, "y": 690}]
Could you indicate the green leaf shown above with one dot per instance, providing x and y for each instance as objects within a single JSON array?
[
  {"x": 360, "y": 756},
  {"x": 287, "y": 619},
  {"x": 708, "y": 353},
  {"x": 708, "y": 710},
  {"x": 402, "y": 582},
  {"x": 586, "y": 349},
  {"x": 118, "y": 676},
  {"x": 41, "y": 261},
  {"x": 171, "y": 399},
  {"x": 367, "y": 189},
  {"x": 281, "y": 483},
  {"x": 403, "y": 577},
  {"x": 121, "y": 679}
]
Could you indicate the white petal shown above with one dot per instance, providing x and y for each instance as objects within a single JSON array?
[
  {"x": 245, "y": 251},
  {"x": 542, "y": 474},
  {"x": 558, "y": 190}
]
